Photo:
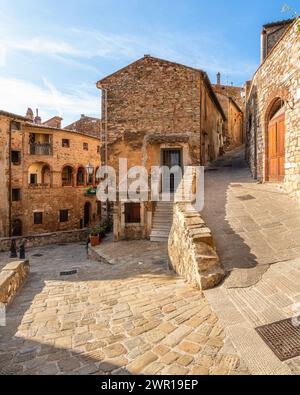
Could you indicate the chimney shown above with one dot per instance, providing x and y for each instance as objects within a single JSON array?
[
  {"x": 37, "y": 119},
  {"x": 82, "y": 116},
  {"x": 29, "y": 114},
  {"x": 219, "y": 79},
  {"x": 263, "y": 46}
]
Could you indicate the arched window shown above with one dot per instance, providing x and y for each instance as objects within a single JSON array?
[
  {"x": 46, "y": 175},
  {"x": 67, "y": 176},
  {"x": 80, "y": 176}
]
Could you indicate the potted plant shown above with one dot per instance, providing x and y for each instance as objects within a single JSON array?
[
  {"x": 107, "y": 225},
  {"x": 95, "y": 237}
]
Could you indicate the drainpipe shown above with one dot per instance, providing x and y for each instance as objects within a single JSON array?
[
  {"x": 201, "y": 159},
  {"x": 9, "y": 181}
]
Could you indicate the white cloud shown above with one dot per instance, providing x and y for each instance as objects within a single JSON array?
[{"x": 17, "y": 95}]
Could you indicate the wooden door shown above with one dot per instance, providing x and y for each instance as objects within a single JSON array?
[{"x": 276, "y": 149}]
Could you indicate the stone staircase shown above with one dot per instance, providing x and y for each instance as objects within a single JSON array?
[
  {"x": 163, "y": 215},
  {"x": 162, "y": 221}
]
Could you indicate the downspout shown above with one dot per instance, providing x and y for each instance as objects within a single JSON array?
[
  {"x": 200, "y": 121},
  {"x": 9, "y": 182}
]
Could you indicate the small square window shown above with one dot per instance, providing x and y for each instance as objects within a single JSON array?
[
  {"x": 132, "y": 213},
  {"x": 16, "y": 157},
  {"x": 65, "y": 143},
  {"x": 64, "y": 216},
  {"x": 15, "y": 125},
  {"x": 16, "y": 194},
  {"x": 85, "y": 146},
  {"x": 38, "y": 218}
]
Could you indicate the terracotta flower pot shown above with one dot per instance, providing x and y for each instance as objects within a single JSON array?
[{"x": 94, "y": 241}]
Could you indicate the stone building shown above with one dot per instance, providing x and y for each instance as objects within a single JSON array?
[
  {"x": 157, "y": 113},
  {"x": 231, "y": 99},
  {"x": 85, "y": 124},
  {"x": 45, "y": 183},
  {"x": 273, "y": 109}
]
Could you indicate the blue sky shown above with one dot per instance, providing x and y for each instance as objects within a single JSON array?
[{"x": 52, "y": 52}]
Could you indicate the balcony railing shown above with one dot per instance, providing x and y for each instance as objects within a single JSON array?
[{"x": 40, "y": 149}]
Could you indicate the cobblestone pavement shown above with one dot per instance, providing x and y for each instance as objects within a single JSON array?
[
  {"x": 257, "y": 231},
  {"x": 132, "y": 317}
]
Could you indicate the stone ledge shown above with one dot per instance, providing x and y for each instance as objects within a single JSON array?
[
  {"x": 64, "y": 236},
  {"x": 12, "y": 277},
  {"x": 192, "y": 249}
]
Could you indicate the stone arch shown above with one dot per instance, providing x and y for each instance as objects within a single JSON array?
[{"x": 40, "y": 173}]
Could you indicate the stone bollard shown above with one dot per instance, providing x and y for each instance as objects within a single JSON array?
[
  {"x": 13, "y": 249},
  {"x": 22, "y": 251}
]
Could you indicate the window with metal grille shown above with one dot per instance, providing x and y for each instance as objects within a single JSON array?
[
  {"x": 16, "y": 194},
  {"x": 64, "y": 216},
  {"x": 132, "y": 213},
  {"x": 38, "y": 218},
  {"x": 16, "y": 157}
]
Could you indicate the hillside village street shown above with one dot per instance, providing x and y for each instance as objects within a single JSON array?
[{"x": 136, "y": 316}]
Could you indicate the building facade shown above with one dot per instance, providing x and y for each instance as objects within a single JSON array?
[
  {"x": 232, "y": 101},
  {"x": 273, "y": 109},
  {"x": 45, "y": 174},
  {"x": 157, "y": 113}
]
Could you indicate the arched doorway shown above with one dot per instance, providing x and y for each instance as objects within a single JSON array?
[
  {"x": 87, "y": 214},
  {"x": 275, "y": 149},
  {"x": 17, "y": 228}
]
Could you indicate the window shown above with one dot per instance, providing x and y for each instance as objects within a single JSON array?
[
  {"x": 33, "y": 179},
  {"x": 16, "y": 194},
  {"x": 65, "y": 143},
  {"x": 80, "y": 176},
  {"x": 15, "y": 125},
  {"x": 132, "y": 213},
  {"x": 16, "y": 157},
  {"x": 67, "y": 176},
  {"x": 98, "y": 149},
  {"x": 64, "y": 216},
  {"x": 85, "y": 146},
  {"x": 38, "y": 218}
]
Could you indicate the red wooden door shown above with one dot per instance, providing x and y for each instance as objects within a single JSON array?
[{"x": 276, "y": 149}]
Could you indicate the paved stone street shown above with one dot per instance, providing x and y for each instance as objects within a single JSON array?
[
  {"x": 257, "y": 231},
  {"x": 132, "y": 317}
]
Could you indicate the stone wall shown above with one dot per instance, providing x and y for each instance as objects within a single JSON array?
[
  {"x": 277, "y": 78},
  {"x": 192, "y": 250},
  {"x": 12, "y": 277},
  {"x": 43, "y": 239},
  {"x": 86, "y": 125}
]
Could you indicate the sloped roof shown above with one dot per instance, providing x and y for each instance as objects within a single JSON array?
[
  {"x": 203, "y": 74},
  {"x": 12, "y": 115},
  {"x": 148, "y": 57},
  {"x": 279, "y": 23}
]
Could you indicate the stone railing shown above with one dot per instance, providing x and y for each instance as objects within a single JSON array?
[
  {"x": 192, "y": 250},
  {"x": 67, "y": 236},
  {"x": 12, "y": 277}
]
